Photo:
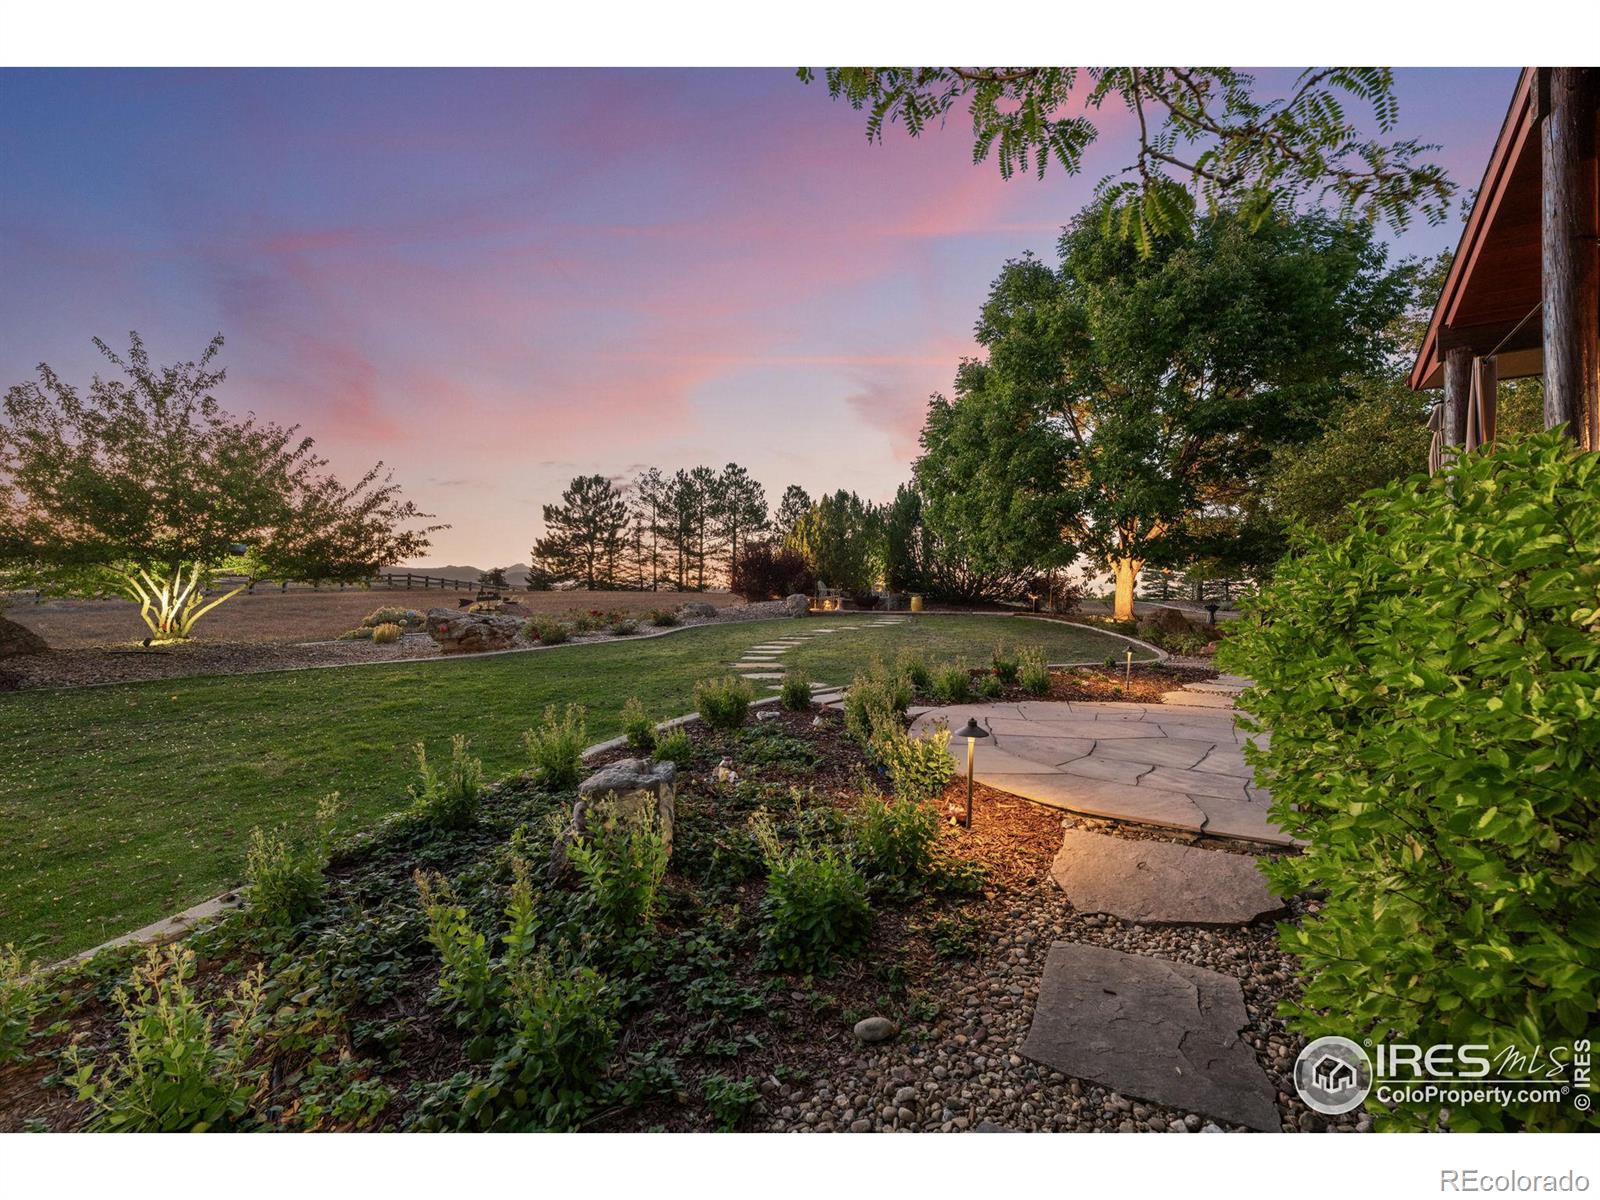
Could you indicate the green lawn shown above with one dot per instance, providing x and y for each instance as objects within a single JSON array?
[{"x": 120, "y": 805}]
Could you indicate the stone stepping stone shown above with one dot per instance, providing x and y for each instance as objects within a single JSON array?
[
  {"x": 1156, "y": 752},
  {"x": 761, "y": 674},
  {"x": 1196, "y": 700},
  {"x": 1213, "y": 687},
  {"x": 1225, "y": 762},
  {"x": 1161, "y": 1031},
  {"x": 1160, "y": 883}
]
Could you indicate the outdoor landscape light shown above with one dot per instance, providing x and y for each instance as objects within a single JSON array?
[
  {"x": 972, "y": 733},
  {"x": 1127, "y": 670}
]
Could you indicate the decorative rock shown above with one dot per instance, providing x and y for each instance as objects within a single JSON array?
[
  {"x": 17, "y": 640},
  {"x": 1164, "y": 1031},
  {"x": 696, "y": 609},
  {"x": 797, "y": 604},
  {"x": 875, "y": 1029},
  {"x": 471, "y": 633},
  {"x": 633, "y": 791},
  {"x": 1160, "y": 883}
]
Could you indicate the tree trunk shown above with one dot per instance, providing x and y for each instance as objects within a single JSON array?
[
  {"x": 1571, "y": 266},
  {"x": 1457, "y": 389},
  {"x": 1127, "y": 571}
]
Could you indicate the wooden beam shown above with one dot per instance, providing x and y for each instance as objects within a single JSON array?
[
  {"x": 1457, "y": 388},
  {"x": 1571, "y": 258}
]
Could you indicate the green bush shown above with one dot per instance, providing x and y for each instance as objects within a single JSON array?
[
  {"x": 362, "y": 633},
  {"x": 386, "y": 634},
  {"x": 952, "y": 683},
  {"x": 448, "y": 799},
  {"x": 675, "y": 746},
  {"x": 621, "y": 864},
  {"x": 625, "y": 627},
  {"x": 662, "y": 618},
  {"x": 988, "y": 686},
  {"x": 1430, "y": 684},
  {"x": 180, "y": 1069},
  {"x": 913, "y": 667},
  {"x": 286, "y": 883},
  {"x": 21, "y": 1000},
  {"x": 897, "y": 840},
  {"x": 467, "y": 982},
  {"x": 637, "y": 726},
  {"x": 547, "y": 631},
  {"x": 555, "y": 749},
  {"x": 796, "y": 693},
  {"x": 815, "y": 907},
  {"x": 1006, "y": 665},
  {"x": 876, "y": 701},
  {"x": 730, "y": 1102},
  {"x": 1032, "y": 672},
  {"x": 723, "y": 703},
  {"x": 918, "y": 767}
]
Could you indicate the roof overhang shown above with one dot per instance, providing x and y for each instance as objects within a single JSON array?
[{"x": 1494, "y": 281}]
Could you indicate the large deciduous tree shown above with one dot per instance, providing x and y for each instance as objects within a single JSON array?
[
  {"x": 1130, "y": 403},
  {"x": 585, "y": 533},
  {"x": 1203, "y": 136},
  {"x": 145, "y": 487}
]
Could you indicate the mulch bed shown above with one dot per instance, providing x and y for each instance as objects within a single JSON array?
[{"x": 1145, "y": 684}]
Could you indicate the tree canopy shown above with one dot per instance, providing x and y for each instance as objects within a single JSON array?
[
  {"x": 144, "y": 486},
  {"x": 1205, "y": 137},
  {"x": 584, "y": 534},
  {"x": 1129, "y": 404}
]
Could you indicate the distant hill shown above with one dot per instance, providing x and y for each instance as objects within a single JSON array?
[{"x": 516, "y": 575}]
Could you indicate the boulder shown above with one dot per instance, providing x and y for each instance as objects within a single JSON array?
[
  {"x": 471, "y": 633},
  {"x": 633, "y": 791},
  {"x": 870, "y": 1030},
  {"x": 797, "y": 605},
  {"x": 696, "y": 610},
  {"x": 1170, "y": 620},
  {"x": 17, "y": 640}
]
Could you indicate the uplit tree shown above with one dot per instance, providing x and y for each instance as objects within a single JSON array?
[
  {"x": 792, "y": 509},
  {"x": 145, "y": 487}
]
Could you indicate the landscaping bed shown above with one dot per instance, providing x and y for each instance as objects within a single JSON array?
[{"x": 710, "y": 1030}]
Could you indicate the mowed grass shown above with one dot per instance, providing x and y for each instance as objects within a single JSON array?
[{"x": 121, "y": 805}]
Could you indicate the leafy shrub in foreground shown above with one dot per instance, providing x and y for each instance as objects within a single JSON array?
[
  {"x": 897, "y": 840},
  {"x": 555, "y": 749},
  {"x": 876, "y": 702},
  {"x": 178, "y": 1071},
  {"x": 952, "y": 683},
  {"x": 386, "y": 634},
  {"x": 796, "y": 693},
  {"x": 1032, "y": 671},
  {"x": 286, "y": 883},
  {"x": 1006, "y": 665},
  {"x": 913, "y": 667},
  {"x": 815, "y": 908},
  {"x": 637, "y": 726},
  {"x": 729, "y": 1101},
  {"x": 448, "y": 799},
  {"x": 547, "y": 631},
  {"x": 674, "y": 746},
  {"x": 918, "y": 767},
  {"x": 723, "y": 703},
  {"x": 621, "y": 864},
  {"x": 466, "y": 976},
  {"x": 1430, "y": 683},
  {"x": 21, "y": 1000},
  {"x": 988, "y": 686}
]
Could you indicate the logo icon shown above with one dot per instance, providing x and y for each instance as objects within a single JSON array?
[{"x": 1333, "y": 1075}]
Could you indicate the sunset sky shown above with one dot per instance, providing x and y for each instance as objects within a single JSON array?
[{"x": 496, "y": 280}]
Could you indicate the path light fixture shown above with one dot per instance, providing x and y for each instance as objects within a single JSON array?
[
  {"x": 972, "y": 733},
  {"x": 1127, "y": 670},
  {"x": 1212, "y": 609}
]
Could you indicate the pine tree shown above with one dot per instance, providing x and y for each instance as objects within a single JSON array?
[{"x": 585, "y": 533}]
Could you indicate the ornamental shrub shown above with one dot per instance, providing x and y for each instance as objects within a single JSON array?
[
  {"x": 393, "y": 615},
  {"x": 1033, "y": 673},
  {"x": 623, "y": 627},
  {"x": 621, "y": 864},
  {"x": 637, "y": 726},
  {"x": 555, "y": 749},
  {"x": 918, "y": 767},
  {"x": 448, "y": 799},
  {"x": 286, "y": 883},
  {"x": 952, "y": 683},
  {"x": 796, "y": 693},
  {"x": 662, "y": 618},
  {"x": 897, "y": 840},
  {"x": 877, "y": 701},
  {"x": 1430, "y": 683},
  {"x": 914, "y": 667},
  {"x": 766, "y": 571},
  {"x": 547, "y": 631},
  {"x": 674, "y": 746},
  {"x": 1006, "y": 665},
  {"x": 815, "y": 907},
  {"x": 988, "y": 686},
  {"x": 21, "y": 1000},
  {"x": 181, "y": 1069},
  {"x": 723, "y": 703},
  {"x": 386, "y": 634}
]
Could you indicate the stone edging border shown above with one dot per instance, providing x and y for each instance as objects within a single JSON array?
[{"x": 1161, "y": 655}]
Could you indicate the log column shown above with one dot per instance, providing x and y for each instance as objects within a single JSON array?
[
  {"x": 1571, "y": 258},
  {"x": 1457, "y": 391}
]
